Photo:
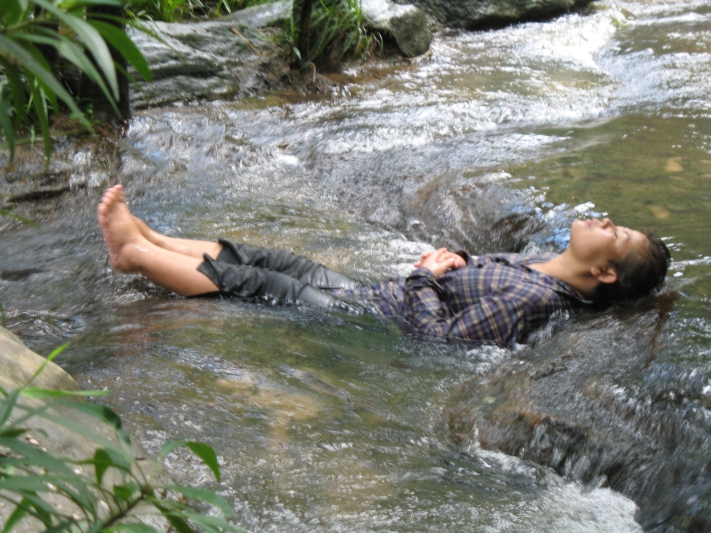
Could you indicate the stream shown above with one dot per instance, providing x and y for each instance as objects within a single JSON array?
[{"x": 325, "y": 421}]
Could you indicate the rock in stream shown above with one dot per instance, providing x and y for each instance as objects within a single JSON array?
[
  {"x": 600, "y": 411},
  {"x": 472, "y": 14},
  {"x": 240, "y": 54}
]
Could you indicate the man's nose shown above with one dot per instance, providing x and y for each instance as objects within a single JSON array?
[{"x": 607, "y": 223}]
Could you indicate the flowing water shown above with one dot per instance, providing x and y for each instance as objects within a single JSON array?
[{"x": 330, "y": 422}]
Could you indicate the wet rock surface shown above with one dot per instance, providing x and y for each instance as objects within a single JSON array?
[
  {"x": 207, "y": 60},
  {"x": 405, "y": 24},
  {"x": 472, "y": 14},
  {"x": 242, "y": 55},
  {"x": 603, "y": 413},
  {"x": 76, "y": 164}
]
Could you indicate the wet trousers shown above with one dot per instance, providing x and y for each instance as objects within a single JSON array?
[{"x": 248, "y": 271}]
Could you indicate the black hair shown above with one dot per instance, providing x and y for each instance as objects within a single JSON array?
[{"x": 638, "y": 274}]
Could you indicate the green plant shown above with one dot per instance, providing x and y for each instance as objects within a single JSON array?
[
  {"x": 32, "y": 32},
  {"x": 176, "y": 10},
  {"x": 337, "y": 26},
  {"x": 51, "y": 490}
]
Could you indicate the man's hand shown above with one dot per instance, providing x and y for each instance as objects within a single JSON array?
[{"x": 440, "y": 261}]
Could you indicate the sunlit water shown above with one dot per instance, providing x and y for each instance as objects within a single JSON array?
[{"x": 330, "y": 422}]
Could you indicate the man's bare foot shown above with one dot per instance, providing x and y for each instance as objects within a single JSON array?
[
  {"x": 147, "y": 232},
  {"x": 122, "y": 235}
]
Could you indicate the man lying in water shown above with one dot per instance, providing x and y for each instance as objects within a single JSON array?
[{"x": 489, "y": 299}]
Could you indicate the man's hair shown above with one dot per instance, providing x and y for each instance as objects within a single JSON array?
[{"x": 638, "y": 274}]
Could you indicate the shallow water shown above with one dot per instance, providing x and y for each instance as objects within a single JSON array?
[{"x": 330, "y": 422}]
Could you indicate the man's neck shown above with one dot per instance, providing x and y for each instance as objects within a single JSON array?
[{"x": 567, "y": 269}]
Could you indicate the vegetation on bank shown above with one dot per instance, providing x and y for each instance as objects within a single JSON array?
[
  {"x": 53, "y": 55},
  {"x": 181, "y": 10},
  {"x": 76, "y": 496},
  {"x": 73, "y": 55},
  {"x": 325, "y": 31}
]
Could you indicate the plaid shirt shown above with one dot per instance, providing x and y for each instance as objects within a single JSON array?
[{"x": 494, "y": 299}]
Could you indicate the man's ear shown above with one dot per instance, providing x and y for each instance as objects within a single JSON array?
[{"x": 606, "y": 274}]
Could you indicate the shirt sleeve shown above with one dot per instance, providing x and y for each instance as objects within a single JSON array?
[{"x": 493, "y": 319}]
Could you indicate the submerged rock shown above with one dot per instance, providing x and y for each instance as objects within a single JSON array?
[
  {"x": 597, "y": 408},
  {"x": 472, "y": 14}
]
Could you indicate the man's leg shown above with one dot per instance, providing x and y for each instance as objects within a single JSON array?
[
  {"x": 131, "y": 252},
  {"x": 193, "y": 248},
  {"x": 297, "y": 267}
]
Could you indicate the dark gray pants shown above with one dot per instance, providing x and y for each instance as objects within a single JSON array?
[{"x": 247, "y": 271}]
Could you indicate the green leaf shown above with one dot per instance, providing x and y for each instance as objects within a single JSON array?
[
  {"x": 203, "y": 495},
  {"x": 38, "y": 393},
  {"x": 132, "y": 528},
  {"x": 7, "y": 127},
  {"x": 130, "y": 78},
  {"x": 37, "y": 507},
  {"x": 10, "y": 214},
  {"x": 74, "y": 488},
  {"x": 207, "y": 454},
  {"x": 13, "y": 9},
  {"x": 180, "y": 524},
  {"x": 103, "y": 413},
  {"x": 104, "y": 459},
  {"x": 12, "y": 433},
  {"x": 7, "y": 406},
  {"x": 47, "y": 360},
  {"x": 16, "y": 515},
  {"x": 30, "y": 454},
  {"x": 125, "y": 492},
  {"x": 212, "y": 522},
  {"x": 202, "y": 450},
  {"x": 23, "y": 484},
  {"x": 76, "y": 55},
  {"x": 96, "y": 527},
  {"x": 40, "y": 104},
  {"x": 81, "y": 3},
  {"x": 61, "y": 527},
  {"x": 102, "y": 462},
  {"x": 77, "y": 428},
  {"x": 92, "y": 40},
  {"x": 117, "y": 38},
  {"x": 125, "y": 441},
  {"x": 169, "y": 447}
]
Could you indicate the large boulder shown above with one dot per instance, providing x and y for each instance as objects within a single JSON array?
[
  {"x": 239, "y": 55},
  {"x": 213, "y": 59},
  {"x": 471, "y": 14},
  {"x": 406, "y": 25},
  {"x": 602, "y": 410}
]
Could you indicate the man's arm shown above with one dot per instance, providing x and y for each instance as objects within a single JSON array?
[{"x": 455, "y": 260}]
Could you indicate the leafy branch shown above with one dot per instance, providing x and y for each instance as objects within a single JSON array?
[
  {"x": 34, "y": 36},
  {"x": 56, "y": 492}
]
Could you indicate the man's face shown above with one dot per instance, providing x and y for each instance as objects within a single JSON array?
[{"x": 598, "y": 242}]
